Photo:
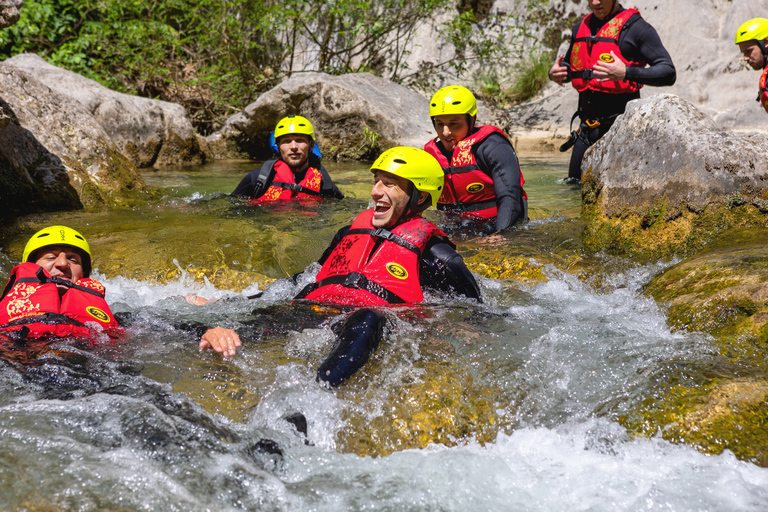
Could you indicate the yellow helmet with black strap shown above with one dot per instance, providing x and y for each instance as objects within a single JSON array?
[
  {"x": 756, "y": 28},
  {"x": 416, "y": 166},
  {"x": 58, "y": 235},
  {"x": 453, "y": 99},
  {"x": 294, "y": 124}
]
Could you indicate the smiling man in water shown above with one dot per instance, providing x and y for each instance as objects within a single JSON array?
[
  {"x": 613, "y": 53},
  {"x": 389, "y": 255}
]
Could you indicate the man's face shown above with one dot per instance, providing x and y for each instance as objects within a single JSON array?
[
  {"x": 602, "y": 8},
  {"x": 752, "y": 54},
  {"x": 294, "y": 149},
  {"x": 391, "y": 195},
  {"x": 451, "y": 128},
  {"x": 61, "y": 261}
]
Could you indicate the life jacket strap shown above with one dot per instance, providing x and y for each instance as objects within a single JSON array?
[
  {"x": 387, "y": 235},
  {"x": 466, "y": 207},
  {"x": 355, "y": 281},
  {"x": 295, "y": 188},
  {"x": 41, "y": 278},
  {"x": 595, "y": 39},
  {"x": 460, "y": 169}
]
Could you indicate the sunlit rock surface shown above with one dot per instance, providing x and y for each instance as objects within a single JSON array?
[
  {"x": 665, "y": 178},
  {"x": 53, "y": 154},
  {"x": 9, "y": 12},
  {"x": 149, "y": 132},
  {"x": 354, "y": 115}
]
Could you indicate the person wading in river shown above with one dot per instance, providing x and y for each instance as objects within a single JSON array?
[
  {"x": 483, "y": 180},
  {"x": 50, "y": 294},
  {"x": 296, "y": 173},
  {"x": 613, "y": 53},
  {"x": 752, "y": 38},
  {"x": 388, "y": 256}
]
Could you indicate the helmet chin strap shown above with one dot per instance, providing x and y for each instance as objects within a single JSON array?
[{"x": 413, "y": 204}]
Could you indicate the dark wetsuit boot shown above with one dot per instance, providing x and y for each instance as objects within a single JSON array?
[{"x": 360, "y": 336}]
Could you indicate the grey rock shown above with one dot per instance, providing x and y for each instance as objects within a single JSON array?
[
  {"x": 53, "y": 155},
  {"x": 149, "y": 132},
  {"x": 341, "y": 108},
  {"x": 9, "y": 12},
  {"x": 663, "y": 149}
]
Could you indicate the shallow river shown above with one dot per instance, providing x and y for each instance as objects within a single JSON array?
[{"x": 515, "y": 404}]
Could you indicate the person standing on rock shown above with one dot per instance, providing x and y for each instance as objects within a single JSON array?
[
  {"x": 752, "y": 38},
  {"x": 613, "y": 53},
  {"x": 296, "y": 173},
  {"x": 483, "y": 180}
]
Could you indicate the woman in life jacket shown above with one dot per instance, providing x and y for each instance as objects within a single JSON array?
[
  {"x": 387, "y": 256},
  {"x": 483, "y": 180},
  {"x": 751, "y": 37},
  {"x": 50, "y": 294},
  {"x": 296, "y": 173}
]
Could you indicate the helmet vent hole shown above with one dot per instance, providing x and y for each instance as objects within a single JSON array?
[
  {"x": 44, "y": 234},
  {"x": 456, "y": 103},
  {"x": 399, "y": 161},
  {"x": 81, "y": 238}
]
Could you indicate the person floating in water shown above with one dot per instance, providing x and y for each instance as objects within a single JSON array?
[
  {"x": 388, "y": 256},
  {"x": 50, "y": 294},
  {"x": 752, "y": 38},
  {"x": 482, "y": 174},
  {"x": 296, "y": 173},
  {"x": 613, "y": 53}
]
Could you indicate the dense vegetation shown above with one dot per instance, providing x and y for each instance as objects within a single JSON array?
[{"x": 214, "y": 57}]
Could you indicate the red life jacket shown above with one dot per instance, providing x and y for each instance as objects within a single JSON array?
[
  {"x": 31, "y": 303},
  {"x": 356, "y": 274},
  {"x": 468, "y": 189},
  {"x": 763, "y": 94},
  {"x": 588, "y": 50},
  {"x": 284, "y": 186}
]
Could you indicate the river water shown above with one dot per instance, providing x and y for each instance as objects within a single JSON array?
[{"x": 514, "y": 404}]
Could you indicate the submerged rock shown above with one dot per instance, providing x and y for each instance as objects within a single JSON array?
[
  {"x": 149, "y": 132},
  {"x": 355, "y": 116},
  {"x": 53, "y": 155},
  {"x": 665, "y": 179}
]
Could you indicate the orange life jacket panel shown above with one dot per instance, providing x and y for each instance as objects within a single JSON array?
[
  {"x": 31, "y": 301},
  {"x": 590, "y": 49},
  {"x": 358, "y": 274},
  {"x": 763, "y": 95},
  {"x": 468, "y": 189},
  {"x": 285, "y": 188}
]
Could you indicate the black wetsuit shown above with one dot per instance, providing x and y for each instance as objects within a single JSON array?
[
  {"x": 496, "y": 157},
  {"x": 638, "y": 42},
  {"x": 441, "y": 268},
  {"x": 248, "y": 185}
]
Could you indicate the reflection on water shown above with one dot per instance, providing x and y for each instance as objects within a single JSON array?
[{"x": 509, "y": 405}]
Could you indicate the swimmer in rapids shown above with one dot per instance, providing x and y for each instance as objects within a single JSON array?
[{"x": 388, "y": 256}]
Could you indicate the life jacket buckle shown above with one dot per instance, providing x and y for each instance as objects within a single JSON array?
[
  {"x": 592, "y": 124},
  {"x": 354, "y": 280}
]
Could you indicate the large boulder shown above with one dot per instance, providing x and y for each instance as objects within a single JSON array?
[
  {"x": 354, "y": 115},
  {"x": 53, "y": 154},
  {"x": 149, "y": 132},
  {"x": 9, "y": 12},
  {"x": 666, "y": 177}
]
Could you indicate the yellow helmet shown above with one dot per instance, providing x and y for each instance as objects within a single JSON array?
[
  {"x": 756, "y": 28},
  {"x": 416, "y": 166},
  {"x": 453, "y": 99},
  {"x": 294, "y": 124},
  {"x": 59, "y": 235}
]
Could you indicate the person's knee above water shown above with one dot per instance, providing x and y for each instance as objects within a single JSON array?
[
  {"x": 482, "y": 173},
  {"x": 51, "y": 294},
  {"x": 297, "y": 172},
  {"x": 752, "y": 39},
  {"x": 390, "y": 254},
  {"x": 613, "y": 53}
]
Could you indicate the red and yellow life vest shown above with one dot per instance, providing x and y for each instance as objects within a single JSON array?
[
  {"x": 763, "y": 95},
  {"x": 588, "y": 50},
  {"x": 31, "y": 302},
  {"x": 356, "y": 274},
  {"x": 468, "y": 189},
  {"x": 284, "y": 186}
]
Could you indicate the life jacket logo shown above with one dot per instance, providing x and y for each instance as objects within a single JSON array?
[
  {"x": 97, "y": 314},
  {"x": 397, "y": 271},
  {"x": 474, "y": 188},
  {"x": 606, "y": 57}
]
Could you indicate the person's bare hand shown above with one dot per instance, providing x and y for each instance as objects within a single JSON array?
[
  {"x": 224, "y": 341},
  {"x": 558, "y": 73},
  {"x": 607, "y": 71},
  {"x": 196, "y": 300}
]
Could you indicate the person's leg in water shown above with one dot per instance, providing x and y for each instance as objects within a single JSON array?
[
  {"x": 587, "y": 137},
  {"x": 359, "y": 337}
]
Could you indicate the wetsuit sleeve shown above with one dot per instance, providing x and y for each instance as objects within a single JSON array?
[
  {"x": 327, "y": 188},
  {"x": 443, "y": 269},
  {"x": 247, "y": 186},
  {"x": 497, "y": 157},
  {"x": 641, "y": 42}
]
